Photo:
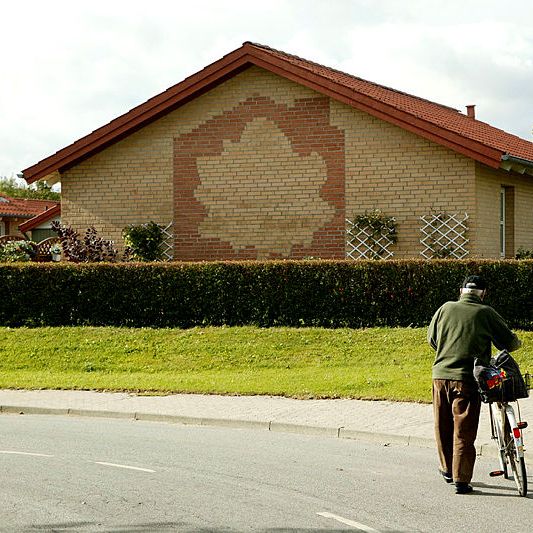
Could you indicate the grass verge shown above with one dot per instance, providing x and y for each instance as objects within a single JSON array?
[{"x": 375, "y": 363}]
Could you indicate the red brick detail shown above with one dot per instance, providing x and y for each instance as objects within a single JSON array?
[{"x": 307, "y": 126}]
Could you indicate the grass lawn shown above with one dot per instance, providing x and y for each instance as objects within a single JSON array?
[{"x": 376, "y": 363}]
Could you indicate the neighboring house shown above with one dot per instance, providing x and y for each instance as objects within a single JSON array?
[
  {"x": 263, "y": 154},
  {"x": 14, "y": 212},
  {"x": 40, "y": 227}
]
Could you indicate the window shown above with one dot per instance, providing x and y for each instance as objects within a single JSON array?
[
  {"x": 502, "y": 222},
  {"x": 507, "y": 223},
  {"x": 38, "y": 235}
]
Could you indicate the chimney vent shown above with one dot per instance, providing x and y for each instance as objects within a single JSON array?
[{"x": 471, "y": 111}]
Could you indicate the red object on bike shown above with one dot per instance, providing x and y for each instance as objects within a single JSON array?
[
  {"x": 516, "y": 433},
  {"x": 496, "y": 380}
]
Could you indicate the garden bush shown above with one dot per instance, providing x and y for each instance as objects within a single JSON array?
[
  {"x": 143, "y": 241},
  {"x": 87, "y": 249},
  {"x": 271, "y": 293},
  {"x": 16, "y": 251}
]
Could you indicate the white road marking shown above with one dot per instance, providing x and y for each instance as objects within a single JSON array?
[
  {"x": 124, "y": 466},
  {"x": 348, "y": 522},
  {"x": 26, "y": 453}
]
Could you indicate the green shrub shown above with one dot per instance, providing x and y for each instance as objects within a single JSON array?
[
  {"x": 144, "y": 241},
  {"x": 274, "y": 293},
  {"x": 17, "y": 251},
  {"x": 523, "y": 253}
]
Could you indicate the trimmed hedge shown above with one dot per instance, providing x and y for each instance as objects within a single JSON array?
[{"x": 274, "y": 293}]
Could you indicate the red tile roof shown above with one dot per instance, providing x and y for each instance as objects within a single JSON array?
[
  {"x": 438, "y": 114},
  {"x": 436, "y": 122},
  {"x": 39, "y": 219},
  {"x": 23, "y": 207}
]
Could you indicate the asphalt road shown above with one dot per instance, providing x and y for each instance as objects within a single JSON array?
[{"x": 69, "y": 474}]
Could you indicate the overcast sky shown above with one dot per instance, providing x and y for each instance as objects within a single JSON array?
[{"x": 68, "y": 67}]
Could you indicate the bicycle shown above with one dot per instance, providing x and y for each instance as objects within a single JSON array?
[{"x": 507, "y": 431}]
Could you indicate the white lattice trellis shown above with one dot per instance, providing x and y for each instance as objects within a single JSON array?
[
  {"x": 168, "y": 241},
  {"x": 363, "y": 243},
  {"x": 444, "y": 235}
]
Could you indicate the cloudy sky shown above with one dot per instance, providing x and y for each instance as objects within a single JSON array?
[{"x": 68, "y": 67}]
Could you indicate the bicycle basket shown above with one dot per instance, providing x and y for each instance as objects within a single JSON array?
[
  {"x": 513, "y": 386},
  {"x": 501, "y": 381},
  {"x": 489, "y": 380}
]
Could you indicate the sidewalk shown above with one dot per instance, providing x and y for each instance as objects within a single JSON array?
[{"x": 379, "y": 421}]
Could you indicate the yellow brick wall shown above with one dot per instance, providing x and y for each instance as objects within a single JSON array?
[
  {"x": 488, "y": 185},
  {"x": 403, "y": 175},
  {"x": 385, "y": 167},
  {"x": 11, "y": 225}
]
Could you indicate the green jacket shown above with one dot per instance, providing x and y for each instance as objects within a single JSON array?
[{"x": 461, "y": 331}]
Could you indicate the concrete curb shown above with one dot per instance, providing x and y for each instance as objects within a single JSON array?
[{"x": 386, "y": 439}]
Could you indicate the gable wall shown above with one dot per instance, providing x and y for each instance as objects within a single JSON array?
[
  {"x": 128, "y": 183},
  {"x": 133, "y": 180},
  {"x": 262, "y": 167}
]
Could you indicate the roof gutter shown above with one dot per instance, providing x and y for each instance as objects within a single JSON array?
[{"x": 516, "y": 164}]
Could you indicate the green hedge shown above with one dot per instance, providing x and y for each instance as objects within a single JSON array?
[{"x": 274, "y": 293}]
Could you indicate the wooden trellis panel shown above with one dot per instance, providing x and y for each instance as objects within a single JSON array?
[
  {"x": 362, "y": 243},
  {"x": 168, "y": 241},
  {"x": 444, "y": 235}
]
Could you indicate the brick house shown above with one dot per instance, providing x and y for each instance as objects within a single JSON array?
[
  {"x": 263, "y": 154},
  {"x": 15, "y": 212},
  {"x": 39, "y": 227}
]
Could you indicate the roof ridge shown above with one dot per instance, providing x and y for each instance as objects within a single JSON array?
[{"x": 375, "y": 84}]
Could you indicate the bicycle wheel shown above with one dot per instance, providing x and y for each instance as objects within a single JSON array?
[
  {"x": 516, "y": 460},
  {"x": 518, "y": 466},
  {"x": 498, "y": 424}
]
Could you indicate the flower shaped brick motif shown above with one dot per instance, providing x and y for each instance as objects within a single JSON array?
[{"x": 266, "y": 206}]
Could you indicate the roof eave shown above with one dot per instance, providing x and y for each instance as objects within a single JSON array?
[
  {"x": 40, "y": 218},
  {"x": 473, "y": 149},
  {"x": 15, "y": 215},
  {"x": 140, "y": 116},
  {"x": 516, "y": 164},
  {"x": 229, "y": 66}
]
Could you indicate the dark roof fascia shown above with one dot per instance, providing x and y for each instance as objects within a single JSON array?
[
  {"x": 229, "y": 66},
  {"x": 473, "y": 149},
  {"x": 142, "y": 115},
  {"x": 15, "y": 215},
  {"x": 40, "y": 218}
]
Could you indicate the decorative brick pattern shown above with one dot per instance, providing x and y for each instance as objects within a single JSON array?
[{"x": 263, "y": 180}]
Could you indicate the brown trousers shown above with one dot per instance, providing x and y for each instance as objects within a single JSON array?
[{"x": 456, "y": 407}]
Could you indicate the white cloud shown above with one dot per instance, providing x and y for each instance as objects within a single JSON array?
[{"x": 69, "y": 67}]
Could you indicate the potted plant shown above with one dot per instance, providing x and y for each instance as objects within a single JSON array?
[{"x": 55, "y": 250}]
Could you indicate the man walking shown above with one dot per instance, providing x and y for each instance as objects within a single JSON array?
[{"x": 459, "y": 332}]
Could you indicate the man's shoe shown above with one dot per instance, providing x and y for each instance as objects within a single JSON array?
[
  {"x": 447, "y": 477},
  {"x": 463, "y": 488}
]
